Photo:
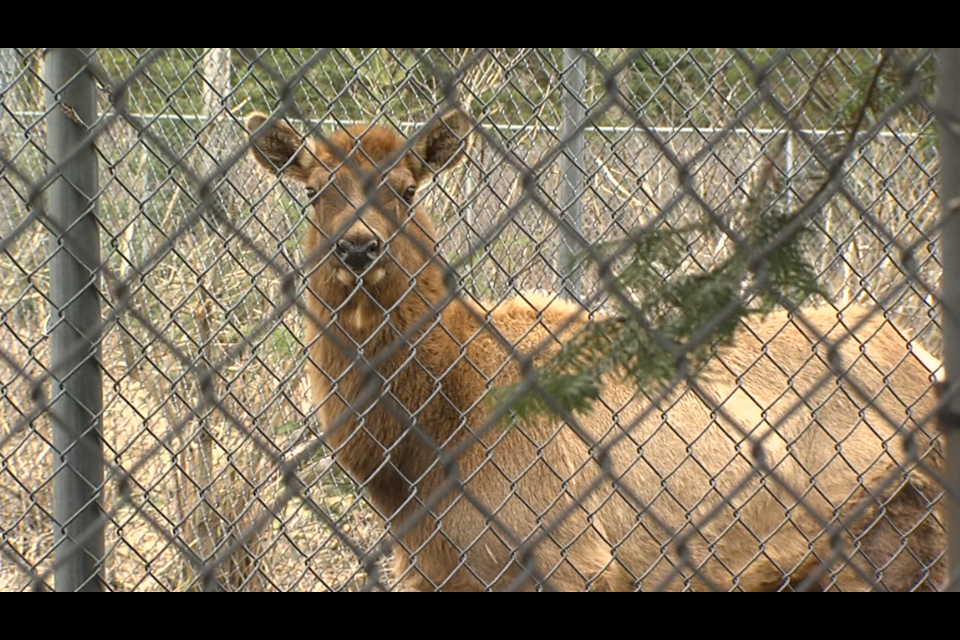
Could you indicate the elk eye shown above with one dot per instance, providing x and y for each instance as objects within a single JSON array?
[{"x": 409, "y": 193}]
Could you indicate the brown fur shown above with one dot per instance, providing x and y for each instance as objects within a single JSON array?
[{"x": 393, "y": 428}]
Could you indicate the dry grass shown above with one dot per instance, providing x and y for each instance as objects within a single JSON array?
[{"x": 293, "y": 550}]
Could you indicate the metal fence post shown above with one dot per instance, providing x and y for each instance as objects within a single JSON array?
[
  {"x": 949, "y": 89},
  {"x": 77, "y": 394},
  {"x": 571, "y": 170}
]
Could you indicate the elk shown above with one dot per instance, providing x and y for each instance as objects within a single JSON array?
[{"x": 400, "y": 367}]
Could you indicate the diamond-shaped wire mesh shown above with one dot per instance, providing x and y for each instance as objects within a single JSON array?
[{"x": 270, "y": 422}]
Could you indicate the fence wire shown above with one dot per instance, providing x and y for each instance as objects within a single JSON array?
[{"x": 232, "y": 357}]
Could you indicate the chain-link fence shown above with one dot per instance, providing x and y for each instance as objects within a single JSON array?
[{"x": 446, "y": 319}]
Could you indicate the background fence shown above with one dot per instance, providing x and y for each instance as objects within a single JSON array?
[{"x": 146, "y": 264}]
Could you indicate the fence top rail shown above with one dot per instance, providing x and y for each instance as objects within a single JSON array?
[{"x": 410, "y": 125}]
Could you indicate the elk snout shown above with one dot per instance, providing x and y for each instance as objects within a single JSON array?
[{"x": 358, "y": 253}]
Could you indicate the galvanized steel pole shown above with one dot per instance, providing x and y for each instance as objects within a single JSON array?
[
  {"x": 949, "y": 89},
  {"x": 75, "y": 323},
  {"x": 571, "y": 171}
]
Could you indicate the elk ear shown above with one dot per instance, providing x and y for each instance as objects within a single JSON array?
[
  {"x": 281, "y": 148},
  {"x": 441, "y": 145}
]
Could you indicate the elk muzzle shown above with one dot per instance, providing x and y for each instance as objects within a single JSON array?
[{"x": 358, "y": 254}]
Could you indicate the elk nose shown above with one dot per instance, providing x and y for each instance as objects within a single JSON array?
[{"x": 358, "y": 254}]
